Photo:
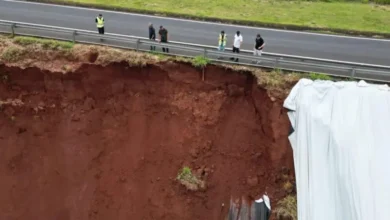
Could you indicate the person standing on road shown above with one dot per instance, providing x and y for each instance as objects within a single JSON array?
[
  {"x": 100, "y": 23},
  {"x": 163, "y": 37},
  {"x": 237, "y": 44},
  {"x": 152, "y": 36},
  {"x": 259, "y": 45},
  {"x": 222, "y": 42}
]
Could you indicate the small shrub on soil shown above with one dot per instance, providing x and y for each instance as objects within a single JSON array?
[
  {"x": 288, "y": 187},
  {"x": 287, "y": 208},
  {"x": 274, "y": 79},
  {"x": 189, "y": 180},
  {"x": 200, "y": 61},
  {"x": 12, "y": 54},
  {"x": 318, "y": 76},
  {"x": 46, "y": 43}
]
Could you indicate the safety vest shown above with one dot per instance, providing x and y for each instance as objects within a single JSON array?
[
  {"x": 100, "y": 22},
  {"x": 220, "y": 42}
]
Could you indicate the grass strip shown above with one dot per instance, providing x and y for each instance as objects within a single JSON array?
[
  {"x": 46, "y": 43},
  {"x": 349, "y": 18}
]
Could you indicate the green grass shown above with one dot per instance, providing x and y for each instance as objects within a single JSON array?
[
  {"x": 46, "y": 43},
  {"x": 200, "y": 61},
  {"x": 328, "y": 14},
  {"x": 189, "y": 180},
  {"x": 185, "y": 174},
  {"x": 319, "y": 76}
]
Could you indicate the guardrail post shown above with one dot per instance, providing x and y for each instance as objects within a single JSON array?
[
  {"x": 276, "y": 62},
  {"x": 205, "y": 52},
  {"x": 74, "y": 36},
  {"x": 13, "y": 30},
  {"x": 138, "y": 42},
  {"x": 353, "y": 72}
]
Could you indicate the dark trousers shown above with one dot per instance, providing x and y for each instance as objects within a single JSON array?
[
  {"x": 101, "y": 30},
  {"x": 235, "y": 50},
  {"x": 165, "y": 49},
  {"x": 152, "y": 47}
]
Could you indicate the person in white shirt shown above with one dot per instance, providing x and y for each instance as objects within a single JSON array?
[{"x": 237, "y": 44}]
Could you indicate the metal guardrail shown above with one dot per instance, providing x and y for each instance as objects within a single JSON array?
[{"x": 268, "y": 60}]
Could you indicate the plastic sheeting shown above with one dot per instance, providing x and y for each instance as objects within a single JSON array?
[{"x": 341, "y": 145}]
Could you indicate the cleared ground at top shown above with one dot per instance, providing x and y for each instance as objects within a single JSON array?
[{"x": 354, "y": 16}]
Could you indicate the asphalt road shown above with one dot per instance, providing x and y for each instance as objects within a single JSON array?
[{"x": 277, "y": 41}]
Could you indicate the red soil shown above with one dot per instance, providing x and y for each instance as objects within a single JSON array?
[{"x": 108, "y": 142}]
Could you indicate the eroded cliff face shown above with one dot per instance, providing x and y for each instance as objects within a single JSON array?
[{"x": 107, "y": 142}]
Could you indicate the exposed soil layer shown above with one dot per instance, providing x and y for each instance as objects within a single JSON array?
[{"x": 108, "y": 142}]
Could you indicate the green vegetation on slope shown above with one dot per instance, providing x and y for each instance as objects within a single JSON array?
[
  {"x": 200, "y": 61},
  {"x": 189, "y": 180},
  {"x": 12, "y": 54},
  {"x": 319, "y": 76},
  {"x": 30, "y": 51},
  {"x": 46, "y": 43},
  {"x": 332, "y": 15}
]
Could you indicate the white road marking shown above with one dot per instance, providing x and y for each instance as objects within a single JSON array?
[{"x": 201, "y": 22}]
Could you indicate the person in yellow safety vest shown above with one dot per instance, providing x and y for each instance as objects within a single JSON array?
[
  {"x": 100, "y": 23},
  {"x": 222, "y": 41}
]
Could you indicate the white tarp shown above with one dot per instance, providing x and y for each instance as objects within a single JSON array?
[{"x": 341, "y": 144}]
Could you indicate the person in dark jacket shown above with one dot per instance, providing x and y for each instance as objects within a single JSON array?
[
  {"x": 259, "y": 45},
  {"x": 163, "y": 37},
  {"x": 152, "y": 35}
]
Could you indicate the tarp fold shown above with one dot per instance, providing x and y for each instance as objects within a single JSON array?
[{"x": 341, "y": 145}]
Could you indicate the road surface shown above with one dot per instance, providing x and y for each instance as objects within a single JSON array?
[{"x": 362, "y": 50}]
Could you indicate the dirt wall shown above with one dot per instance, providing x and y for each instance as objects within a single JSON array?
[{"x": 108, "y": 142}]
